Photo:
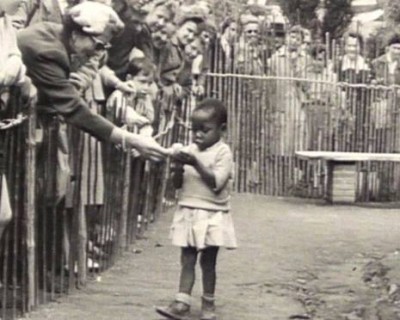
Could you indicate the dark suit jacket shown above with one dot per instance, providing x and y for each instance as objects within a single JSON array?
[{"x": 45, "y": 55}]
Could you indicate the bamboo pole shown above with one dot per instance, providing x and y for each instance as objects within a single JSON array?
[
  {"x": 123, "y": 230},
  {"x": 53, "y": 218},
  {"x": 6, "y": 238},
  {"x": 105, "y": 208},
  {"x": 117, "y": 212},
  {"x": 247, "y": 145},
  {"x": 236, "y": 128},
  {"x": 147, "y": 195},
  {"x": 241, "y": 176},
  {"x": 79, "y": 224},
  {"x": 17, "y": 177},
  {"x": 259, "y": 133}
]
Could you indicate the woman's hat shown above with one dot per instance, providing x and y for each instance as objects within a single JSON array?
[
  {"x": 190, "y": 13},
  {"x": 247, "y": 19}
]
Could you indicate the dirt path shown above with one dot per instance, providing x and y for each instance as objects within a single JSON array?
[{"x": 297, "y": 260}]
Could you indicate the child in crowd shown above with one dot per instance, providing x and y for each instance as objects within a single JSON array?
[
  {"x": 136, "y": 109},
  {"x": 202, "y": 223}
]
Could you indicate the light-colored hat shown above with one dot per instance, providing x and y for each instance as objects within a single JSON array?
[
  {"x": 96, "y": 18},
  {"x": 191, "y": 12},
  {"x": 247, "y": 19}
]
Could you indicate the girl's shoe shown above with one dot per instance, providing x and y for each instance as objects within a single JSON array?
[
  {"x": 208, "y": 309},
  {"x": 176, "y": 310}
]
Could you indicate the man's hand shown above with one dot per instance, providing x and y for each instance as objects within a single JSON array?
[{"x": 147, "y": 147}]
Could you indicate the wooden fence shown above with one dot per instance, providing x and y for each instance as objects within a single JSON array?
[
  {"x": 280, "y": 102},
  {"x": 75, "y": 204},
  {"x": 264, "y": 135}
]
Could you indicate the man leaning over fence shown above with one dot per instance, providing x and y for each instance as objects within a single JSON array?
[{"x": 46, "y": 48}]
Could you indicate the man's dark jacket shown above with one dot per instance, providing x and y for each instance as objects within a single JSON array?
[{"x": 45, "y": 54}]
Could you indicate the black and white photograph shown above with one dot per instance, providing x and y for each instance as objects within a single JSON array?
[{"x": 200, "y": 159}]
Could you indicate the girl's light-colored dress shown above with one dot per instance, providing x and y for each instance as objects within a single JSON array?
[{"x": 203, "y": 215}]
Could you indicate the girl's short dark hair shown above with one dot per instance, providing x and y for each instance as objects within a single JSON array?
[
  {"x": 216, "y": 107},
  {"x": 143, "y": 65}
]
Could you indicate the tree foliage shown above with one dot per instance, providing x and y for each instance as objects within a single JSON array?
[
  {"x": 226, "y": 8},
  {"x": 300, "y": 11},
  {"x": 339, "y": 14}
]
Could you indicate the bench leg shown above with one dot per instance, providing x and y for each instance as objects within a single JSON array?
[{"x": 342, "y": 182}]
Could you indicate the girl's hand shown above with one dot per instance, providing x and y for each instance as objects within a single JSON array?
[{"x": 186, "y": 158}]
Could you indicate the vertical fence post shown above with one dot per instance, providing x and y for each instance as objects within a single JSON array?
[
  {"x": 126, "y": 188},
  {"x": 30, "y": 174}
]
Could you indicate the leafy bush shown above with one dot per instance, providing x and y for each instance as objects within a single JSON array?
[{"x": 339, "y": 14}]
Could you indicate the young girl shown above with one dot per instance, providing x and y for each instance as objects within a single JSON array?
[{"x": 202, "y": 223}]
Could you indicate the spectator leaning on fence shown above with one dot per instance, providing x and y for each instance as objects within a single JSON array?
[
  {"x": 187, "y": 28},
  {"x": 352, "y": 67},
  {"x": 229, "y": 35},
  {"x": 287, "y": 96},
  {"x": 12, "y": 73},
  {"x": 139, "y": 22},
  {"x": 385, "y": 70},
  {"x": 322, "y": 99},
  {"x": 248, "y": 53},
  {"x": 46, "y": 49},
  {"x": 201, "y": 63},
  {"x": 136, "y": 110}
]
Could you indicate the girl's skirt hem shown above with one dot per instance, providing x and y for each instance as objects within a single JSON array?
[{"x": 201, "y": 228}]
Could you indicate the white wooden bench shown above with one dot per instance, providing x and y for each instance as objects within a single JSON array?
[{"x": 342, "y": 172}]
